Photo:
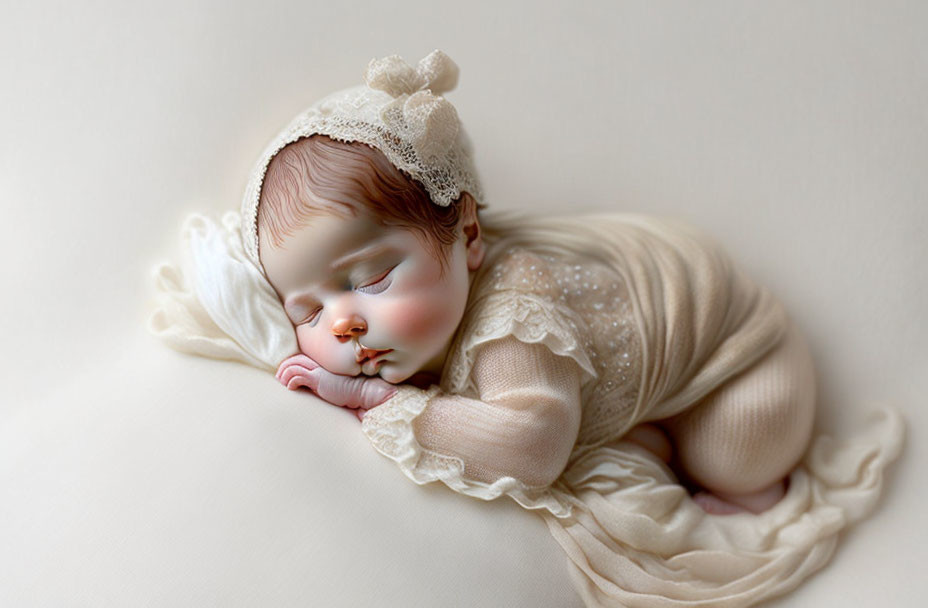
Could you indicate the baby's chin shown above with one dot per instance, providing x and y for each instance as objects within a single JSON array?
[
  {"x": 420, "y": 379},
  {"x": 391, "y": 374}
]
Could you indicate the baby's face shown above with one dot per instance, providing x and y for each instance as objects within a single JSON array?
[{"x": 368, "y": 299}]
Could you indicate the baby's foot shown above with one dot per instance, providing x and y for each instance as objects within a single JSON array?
[
  {"x": 713, "y": 505},
  {"x": 719, "y": 503}
]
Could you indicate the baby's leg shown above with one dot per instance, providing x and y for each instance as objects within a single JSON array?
[{"x": 747, "y": 435}]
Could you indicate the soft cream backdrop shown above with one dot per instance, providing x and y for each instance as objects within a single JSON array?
[{"x": 797, "y": 132}]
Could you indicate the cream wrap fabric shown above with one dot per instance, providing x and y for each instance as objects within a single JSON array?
[
  {"x": 701, "y": 320},
  {"x": 636, "y": 538}
]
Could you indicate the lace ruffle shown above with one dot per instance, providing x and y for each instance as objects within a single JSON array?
[
  {"x": 389, "y": 429},
  {"x": 531, "y": 319}
]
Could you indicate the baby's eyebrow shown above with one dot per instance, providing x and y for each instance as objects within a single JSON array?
[{"x": 361, "y": 254}]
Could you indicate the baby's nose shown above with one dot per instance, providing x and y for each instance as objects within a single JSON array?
[{"x": 352, "y": 327}]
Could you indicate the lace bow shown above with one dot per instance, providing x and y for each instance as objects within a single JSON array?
[{"x": 418, "y": 114}]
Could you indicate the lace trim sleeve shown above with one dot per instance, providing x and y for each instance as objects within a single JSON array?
[
  {"x": 529, "y": 317},
  {"x": 390, "y": 430},
  {"x": 389, "y": 426}
]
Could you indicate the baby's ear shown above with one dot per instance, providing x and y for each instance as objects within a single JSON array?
[{"x": 472, "y": 233}]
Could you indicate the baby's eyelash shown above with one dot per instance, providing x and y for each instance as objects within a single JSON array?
[
  {"x": 312, "y": 316},
  {"x": 378, "y": 284}
]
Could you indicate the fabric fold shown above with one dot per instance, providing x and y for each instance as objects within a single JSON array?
[
  {"x": 637, "y": 540},
  {"x": 219, "y": 304}
]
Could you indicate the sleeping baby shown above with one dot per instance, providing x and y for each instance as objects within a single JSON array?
[
  {"x": 576, "y": 364},
  {"x": 384, "y": 287},
  {"x": 531, "y": 347}
]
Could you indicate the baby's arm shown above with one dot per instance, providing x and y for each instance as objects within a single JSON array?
[{"x": 524, "y": 424}]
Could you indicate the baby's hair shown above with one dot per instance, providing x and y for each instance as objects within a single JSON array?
[{"x": 317, "y": 174}]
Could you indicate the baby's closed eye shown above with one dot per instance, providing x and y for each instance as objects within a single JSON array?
[
  {"x": 378, "y": 283},
  {"x": 310, "y": 317}
]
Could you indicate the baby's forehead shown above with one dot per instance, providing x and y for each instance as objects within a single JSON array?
[
  {"x": 330, "y": 234},
  {"x": 318, "y": 224},
  {"x": 324, "y": 246}
]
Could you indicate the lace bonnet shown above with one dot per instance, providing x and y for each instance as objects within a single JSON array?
[{"x": 399, "y": 111}]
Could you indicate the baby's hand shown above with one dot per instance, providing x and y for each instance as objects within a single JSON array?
[{"x": 355, "y": 392}]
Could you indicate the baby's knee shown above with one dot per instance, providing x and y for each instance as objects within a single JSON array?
[
  {"x": 753, "y": 430},
  {"x": 740, "y": 458}
]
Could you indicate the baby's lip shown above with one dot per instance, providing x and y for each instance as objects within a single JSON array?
[{"x": 363, "y": 354}]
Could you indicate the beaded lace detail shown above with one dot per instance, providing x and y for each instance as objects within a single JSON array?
[{"x": 578, "y": 308}]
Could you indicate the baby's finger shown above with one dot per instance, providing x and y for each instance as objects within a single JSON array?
[
  {"x": 285, "y": 364},
  {"x": 286, "y": 373},
  {"x": 280, "y": 368},
  {"x": 302, "y": 381},
  {"x": 296, "y": 382},
  {"x": 305, "y": 361},
  {"x": 297, "y": 359},
  {"x": 297, "y": 371}
]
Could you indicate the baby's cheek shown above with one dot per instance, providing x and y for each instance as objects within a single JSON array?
[
  {"x": 310, "y": 346},
  {"x": 421, "y": 319},
  {"x": 324, "y": 350}
]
